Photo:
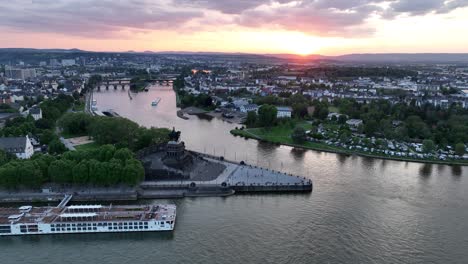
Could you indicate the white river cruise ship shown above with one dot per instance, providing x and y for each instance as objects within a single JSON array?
[{"x": 28, "y": 220}]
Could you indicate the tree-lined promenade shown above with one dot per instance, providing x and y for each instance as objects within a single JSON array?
[{"x": 103, "y": 166}]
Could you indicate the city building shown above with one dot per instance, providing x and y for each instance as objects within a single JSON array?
[
  {"x": 20, "y": 74},
  {"x": 68, "y": 62},
  {"x": 248, "y": 108},
  {"x": 354, "y": 123},
  {"x": 21, "y": 147},
  {"x": 36, "y": 113},
  {"x": 283, "y": 112}
]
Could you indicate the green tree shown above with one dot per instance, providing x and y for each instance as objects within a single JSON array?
[
  {"x": 323, "y": 113},
  {"x": 299, "y": 135},
  {"x": 370, "y": 127},
  {"x": 123, "y": 155},
  {"x": 47, "y": 136},
  {"x": 133, "y": 173},
  {"x": 29, "y": 174},
  {"x": 3, "y": 157},
  {"x": 81, "y": 172},
  {"x": 251, "y": 119},
  {"x": 342, "y": 119},
  {"x": 460, "y": 149},
  {"x": 61, "y": 171},
  {"x": 56, "y": 147},
  {"x": 416, "y": 127},
  {"x": 8, "y": 176},
  {"x": 75, "y": 123},
  {"x": 116, "y": 172},
  {"x": 152, "y": 136},
  {"x": 267, "y": 115},
  {"x": 428, "y": 146},
  {"x": 106, "y": 153},
  {"x": 43, "y": 161},
  {"x": 299, "y": 110},
  {"x": 119, "y": 131}
]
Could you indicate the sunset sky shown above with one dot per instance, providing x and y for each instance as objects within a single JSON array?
[{"x": 329, "y": 27}]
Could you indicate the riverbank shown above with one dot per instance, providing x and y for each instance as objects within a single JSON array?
[
  {"x": 79, "y": 195},
  {"x": 333, "y": 149}
]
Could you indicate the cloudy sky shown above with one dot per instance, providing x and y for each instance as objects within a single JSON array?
[{"x": 259, "y": 26}]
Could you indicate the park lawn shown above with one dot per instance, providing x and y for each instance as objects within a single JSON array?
[
  {"x": 277, "y": 134},
  {"x": 88, "y": 146},
  {"x": 333, "y": 109}
]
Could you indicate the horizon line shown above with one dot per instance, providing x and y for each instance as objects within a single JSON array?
[{"x": 235, "y": 52}]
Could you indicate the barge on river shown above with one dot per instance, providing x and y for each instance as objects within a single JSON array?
[{"x": 28, "y": 220}]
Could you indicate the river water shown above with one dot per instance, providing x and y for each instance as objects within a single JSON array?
[{"x": 362, "y": 210}]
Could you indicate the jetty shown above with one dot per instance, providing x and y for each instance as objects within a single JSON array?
[{"x": 235, "y": 178}]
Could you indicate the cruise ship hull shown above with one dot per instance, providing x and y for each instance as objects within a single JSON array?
[{"x": 87, "y": 219}]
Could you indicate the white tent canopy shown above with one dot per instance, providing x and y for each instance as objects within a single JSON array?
[
  {"x": 78, "y": 215},
  {"x": 83, "y": 207}
]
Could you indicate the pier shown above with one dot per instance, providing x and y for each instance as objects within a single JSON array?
[{"x": 235, "y": 178}]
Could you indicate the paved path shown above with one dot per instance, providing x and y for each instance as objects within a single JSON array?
[{"x": 67, "y": 143}]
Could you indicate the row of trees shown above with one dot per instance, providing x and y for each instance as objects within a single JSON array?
[
  {"x": 117, "y": 131},
  {"x": 104, "y": 166},
  {"x": 201, "y": 100},
  {"x": 443, "y": 126}
]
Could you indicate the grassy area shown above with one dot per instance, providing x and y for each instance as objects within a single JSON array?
[
  {"x": 333, "y": 109},
  {"x": 277, "y": 134},
  {"x": 281, "y": 135},
  {"x": 89, "y": 146}
]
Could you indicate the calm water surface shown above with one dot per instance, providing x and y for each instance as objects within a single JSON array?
[{"x": 362, "y": 210}]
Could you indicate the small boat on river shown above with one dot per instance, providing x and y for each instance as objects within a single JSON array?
[{"x": 156, "y": 102}]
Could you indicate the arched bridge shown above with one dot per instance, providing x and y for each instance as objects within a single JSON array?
[{"x": 124, "y": 83}]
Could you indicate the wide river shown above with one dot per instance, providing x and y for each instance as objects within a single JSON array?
[{"x": 362, "y": 210}]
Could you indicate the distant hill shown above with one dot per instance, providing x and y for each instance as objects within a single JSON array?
[
  {"x": 384, "y": 57},
  {"x": 40, "y": 50},
  {"x": 358, "y": 58},
  {"x": 406, "y": 57}
]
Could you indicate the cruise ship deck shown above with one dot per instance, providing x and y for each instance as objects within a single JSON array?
[{"x": 86, "y": 218}]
